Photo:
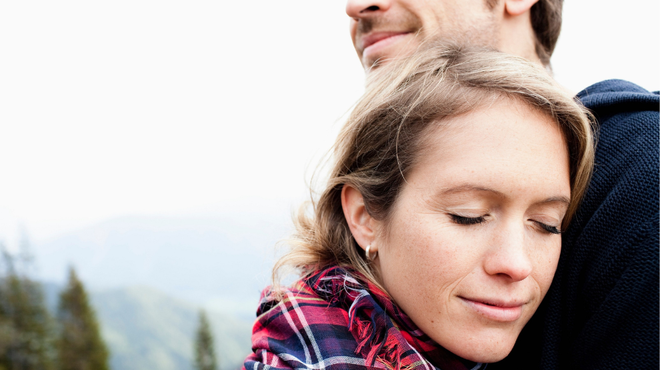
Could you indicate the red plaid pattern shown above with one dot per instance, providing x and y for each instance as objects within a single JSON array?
[{"x": 334, "y": 319}]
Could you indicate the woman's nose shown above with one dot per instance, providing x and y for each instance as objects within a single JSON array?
[
  {"x": 509, "y": 257},
  {"x": 357, "y": 9}
]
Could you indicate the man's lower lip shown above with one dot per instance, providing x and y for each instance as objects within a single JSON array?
[
  {"x": 502, "y": 314},
  {"x": 369, "y": 53}
]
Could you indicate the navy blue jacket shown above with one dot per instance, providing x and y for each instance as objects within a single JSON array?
[{"x": 601, "y": 311}]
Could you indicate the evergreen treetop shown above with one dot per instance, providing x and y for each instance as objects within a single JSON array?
[
  {"x": 79, "y": 346},
  {"x": 204, "y": 351},
  {"x": 26, "y": 327}
]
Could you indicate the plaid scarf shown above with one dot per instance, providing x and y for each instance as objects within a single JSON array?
[{"x": 333, "y": 319}]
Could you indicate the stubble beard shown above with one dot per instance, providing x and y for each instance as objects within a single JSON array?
[{"x": 483, "y": 32}]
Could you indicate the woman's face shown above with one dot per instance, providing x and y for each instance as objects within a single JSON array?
[{"x": 472, "y": 242}]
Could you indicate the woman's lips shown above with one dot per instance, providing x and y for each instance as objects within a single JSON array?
[{"x": 496, "y": 310}]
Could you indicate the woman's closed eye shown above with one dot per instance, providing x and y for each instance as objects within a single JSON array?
[
  {"x": 462, "y": 220},
  {"x": 548, "y": 228}
]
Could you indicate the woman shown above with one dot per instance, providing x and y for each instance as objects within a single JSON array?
[{"x": 438, "y": 233}]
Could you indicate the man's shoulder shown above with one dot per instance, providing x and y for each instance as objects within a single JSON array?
[
  {"x": 628, "y": 121},
  {"x": 611, "y": 97},
  {"x": 626, "y": 150}
]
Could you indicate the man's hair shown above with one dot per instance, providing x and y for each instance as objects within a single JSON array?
[
  {"x": 546, "y": 22},
  {"x": 385, "y": 134}
]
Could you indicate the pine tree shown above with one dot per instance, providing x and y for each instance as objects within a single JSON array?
[
  {"x": 79, "y": 346},
  {"x": 25, "y": 324},
  {"x": 204, "y": 352}
]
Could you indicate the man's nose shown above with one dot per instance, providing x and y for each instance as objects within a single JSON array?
[
  {"x": 357, "y": 9},
  {"x": 509, "y": 256}
]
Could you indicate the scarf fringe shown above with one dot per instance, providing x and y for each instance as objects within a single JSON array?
[
  {"x": 370, "y": 323},
  {"x": 369, "y": 326}
]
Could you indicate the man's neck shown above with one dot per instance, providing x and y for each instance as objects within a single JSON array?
[{"x": 517, "y": 37}]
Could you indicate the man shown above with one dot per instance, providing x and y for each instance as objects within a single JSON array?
[
  {"x": 602, "y": 309},
  {"x": 383, "y": 29}
]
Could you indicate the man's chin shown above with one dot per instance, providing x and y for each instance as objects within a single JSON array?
[
  {"x": 373, "y": 59},
  {"x": 370, "y": 64}
]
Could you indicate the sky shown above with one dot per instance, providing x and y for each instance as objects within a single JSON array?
[{"x": 144, "y": 107}]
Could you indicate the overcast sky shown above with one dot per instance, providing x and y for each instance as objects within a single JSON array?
[{"x": 111, "y": 108}]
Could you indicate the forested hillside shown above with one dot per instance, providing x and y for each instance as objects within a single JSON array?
[{"x": 146, "y": 329}]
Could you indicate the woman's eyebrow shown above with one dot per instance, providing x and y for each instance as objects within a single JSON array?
[
  {"x": 468, "y": 187},
  {"x": 557, "y": 199},
  {"x": 471, "y": 187}
]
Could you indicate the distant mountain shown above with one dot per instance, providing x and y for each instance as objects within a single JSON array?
[
  {"x": 146, "y": 329},
  {"x": 223, "y": 259}
]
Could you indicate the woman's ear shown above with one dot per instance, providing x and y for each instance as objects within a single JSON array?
[
  {"x": 359, "y": 220},
  {"x": 518, "y": 7}
]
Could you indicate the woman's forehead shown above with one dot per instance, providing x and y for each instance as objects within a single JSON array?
[{"x": 497, "y": 146}]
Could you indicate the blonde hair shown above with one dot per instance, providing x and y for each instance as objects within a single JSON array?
[{"x": 380, "y": 142}]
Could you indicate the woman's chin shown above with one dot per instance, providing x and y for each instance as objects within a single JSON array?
[
  {"x": 488, "y": 352},
  {"x": 489, "y": 357}
]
